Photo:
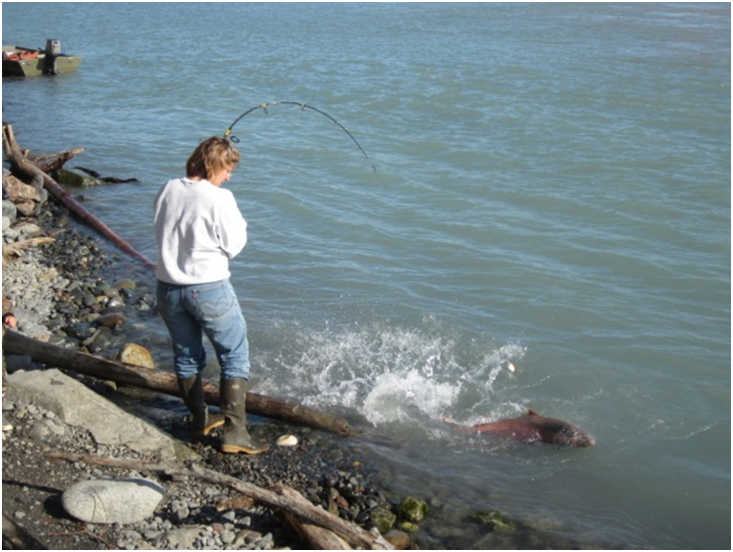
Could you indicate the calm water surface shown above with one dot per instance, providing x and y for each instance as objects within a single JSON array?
[{"x": 552, "y": 189}]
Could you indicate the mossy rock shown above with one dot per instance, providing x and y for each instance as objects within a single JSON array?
[
  {"x": 497, "y": 521},
  {"x": 409, "y": 526},
  {"x": 73, "y": 179},
  {"x": 413, "y": 509},
  {"x": 383, "y": 519}
]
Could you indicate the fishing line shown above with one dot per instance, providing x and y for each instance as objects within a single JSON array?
[{"x": 303, "y": 106}]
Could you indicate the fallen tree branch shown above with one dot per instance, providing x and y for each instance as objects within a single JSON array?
[
  {"x": 25, "y": 165},
  {"x": 50, "y": 163},
  {"x": 280, "y": 497},
  {"x": 109, "y": 179},
  {"x": 319, "y": 537},
  {"x": 165, "y": 382}
]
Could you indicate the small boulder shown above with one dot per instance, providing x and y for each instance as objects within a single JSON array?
[
  {"x": 26, "y": 230},
  {"x": 413, "y": 509},
  {"x": 70, "y": 178},
  {"x": 10, "y": 213},
  {"x": 399, "y": 539},
  {"x": 409, "y": 526},
  {"x": 20, "y": 191},
  {"x": 135, "y": 354},
  {"x": 112, "y": 320},
  {"x": 26, "y": 207},
  {"x": 112, "y": 501},
  {"x": 383, "y": 519},
  {"x": 129, "y": 285},
  {"x": 496, "y": 521}
]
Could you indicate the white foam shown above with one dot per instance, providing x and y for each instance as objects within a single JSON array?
[{"x": 387, "y": 374}]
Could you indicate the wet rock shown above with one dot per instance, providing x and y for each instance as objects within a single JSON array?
[
  {"x": 383, "y": 519},
  {"x": 413, "y": 509},
  {"x": 135, "y": 354},
  {"x": 70, "y": 178},
  {"x": 80, "y": 330},
  {"x": 399, "y": 539},
  {"x": 497, "y": 521},
  {"x": 112, "y": 501},
  {"x": 112, "y": 320},
  {"x": 126, "y": 284}
]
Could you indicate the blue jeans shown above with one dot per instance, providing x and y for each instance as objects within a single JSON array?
[{"x": 213, "y": 309}]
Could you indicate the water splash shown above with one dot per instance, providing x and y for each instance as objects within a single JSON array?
[{"x": 388, "y": 375}]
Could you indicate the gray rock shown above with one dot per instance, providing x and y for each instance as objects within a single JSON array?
[
  {"x": 10, "y": 213},
  {"x": 75, "y": 404},
  {"x": 9, "y": 234},
  {"x": 45, "y": 428},
  {"x": 183, "y": 537},
  {"x": 228, "y": 536},
  {"x": 112, "y": 501},
  {"x": 26, "y": 230},
  {"x": 267, "y": 542}
]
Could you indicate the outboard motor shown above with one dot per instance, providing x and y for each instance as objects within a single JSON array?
[{"x": 53, "y": 50}]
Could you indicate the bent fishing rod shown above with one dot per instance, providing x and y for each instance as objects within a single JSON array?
[{"x": 303, "y": 107}]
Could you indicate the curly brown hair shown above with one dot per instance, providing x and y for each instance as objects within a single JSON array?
[{"x": 210, "y": 156}]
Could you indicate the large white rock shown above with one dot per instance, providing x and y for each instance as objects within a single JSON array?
[
  {"x": 75, "y": 404},
  {"x": 112, "y": 501}
]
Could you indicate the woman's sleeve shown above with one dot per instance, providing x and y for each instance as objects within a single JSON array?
[{"x": 232, "y": 228}]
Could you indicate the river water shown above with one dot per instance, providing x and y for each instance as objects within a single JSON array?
[{"x": 547, "y": 185}]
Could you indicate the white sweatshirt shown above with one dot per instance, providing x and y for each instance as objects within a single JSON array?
[{"x": 198, "y": 227}]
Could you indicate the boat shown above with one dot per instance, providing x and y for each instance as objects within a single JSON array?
[{"x": 19, "y": 61}]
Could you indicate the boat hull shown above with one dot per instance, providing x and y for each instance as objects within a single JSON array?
[{"x": 36, "y": 66}]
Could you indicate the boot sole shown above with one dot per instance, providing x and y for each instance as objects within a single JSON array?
[{"x": 234, "y": 449}]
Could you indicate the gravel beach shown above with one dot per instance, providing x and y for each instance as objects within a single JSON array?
[{"x": 67, "y": 291}]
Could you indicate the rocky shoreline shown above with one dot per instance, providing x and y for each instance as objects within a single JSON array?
[{"x": 57, "y": 283}]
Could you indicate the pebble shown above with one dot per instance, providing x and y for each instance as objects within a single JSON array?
[{"x": 287, "y": 441}]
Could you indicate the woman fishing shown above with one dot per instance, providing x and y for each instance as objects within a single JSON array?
[{"x": 198, "y": 229}]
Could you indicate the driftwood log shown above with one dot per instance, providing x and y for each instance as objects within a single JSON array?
[
  {"x": 23, "y": 164},
  {"x": 164, "y": 382},
  {"x": 50, "y": 163},
  {"x": 321, "y": 524}
]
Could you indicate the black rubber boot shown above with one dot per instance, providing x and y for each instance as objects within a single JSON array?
[
  {"x": 235, "y": 437},
  {"x": 192, "y": 391}
]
